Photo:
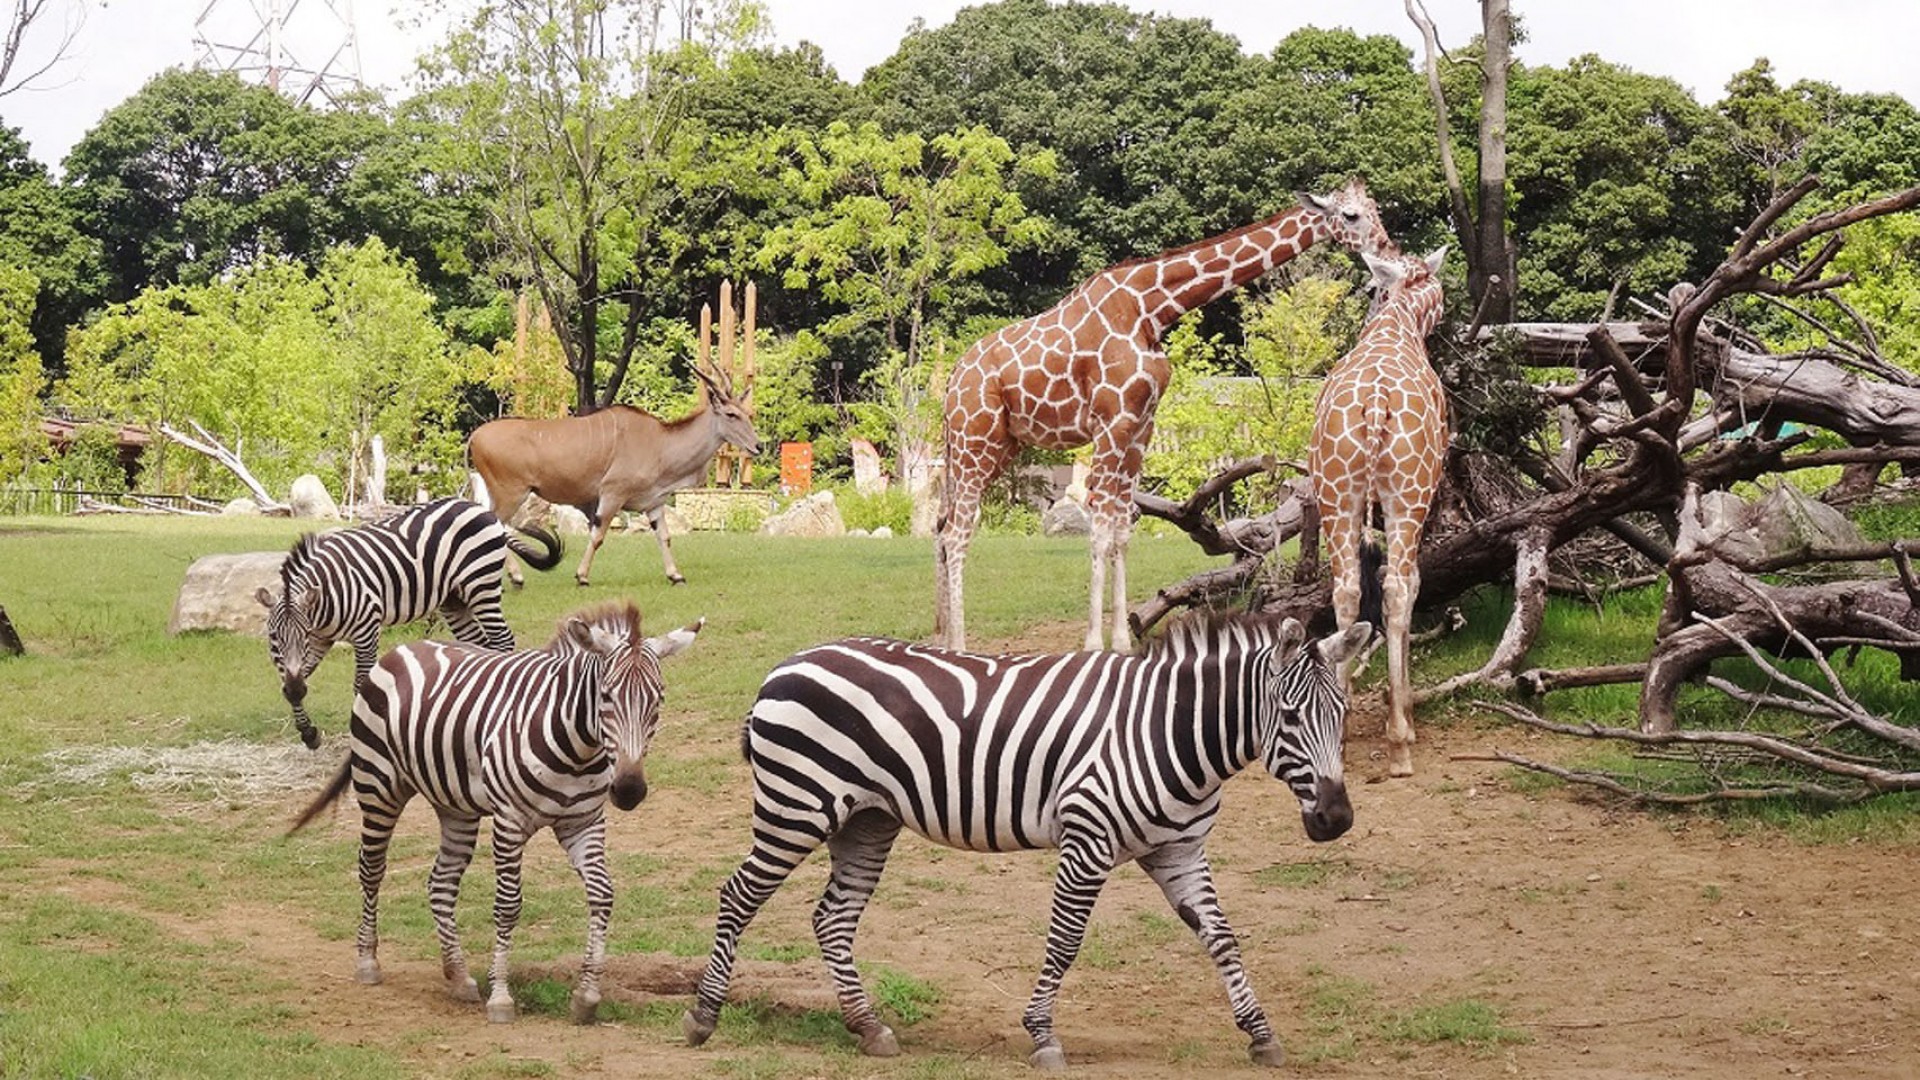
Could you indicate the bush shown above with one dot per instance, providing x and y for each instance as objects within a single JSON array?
[{"x": 892, "y": 508}]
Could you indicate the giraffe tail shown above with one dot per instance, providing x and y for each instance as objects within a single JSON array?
[
  {"x": 335, "y": 788},
  {"x": 1373, "y": 600}
]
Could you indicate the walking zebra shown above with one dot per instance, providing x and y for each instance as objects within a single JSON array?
[
  {"x": 533, "y": 739},
  {"x": 1107, "y": 757},
  {"x": 443, "y": 555}
]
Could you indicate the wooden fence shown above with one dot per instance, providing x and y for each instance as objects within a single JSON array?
[{"x": 58, "y": 501}]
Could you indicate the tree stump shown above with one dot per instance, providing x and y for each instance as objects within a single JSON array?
[{"x": 9, "y": 638}]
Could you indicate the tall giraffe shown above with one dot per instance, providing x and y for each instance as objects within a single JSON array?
[
  {"x": 1380, "y": 439},
  {"x": 1090, "y": 369}
]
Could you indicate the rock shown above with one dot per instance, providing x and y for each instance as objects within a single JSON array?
[
  {"x": 1066, "y": 518},
  {"x": 1788, "y": 521},
  {"x": 569, "y": 521},
  {"x": 862, "y": 533},
  {"x": 677, "y": 525},
  {"x": 815, "y": 515},
  {"x": 883, "y": 532},
  {"x": 1726, "y": 520},
  {"x": 869, "y": 478},
  {"x": 218, "y": 593},
  {"x": 241, "y": 507},
  {"x": 309, "y": 499}
]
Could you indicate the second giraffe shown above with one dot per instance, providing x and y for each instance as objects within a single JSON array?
[{"x": 1090, "y": 369}]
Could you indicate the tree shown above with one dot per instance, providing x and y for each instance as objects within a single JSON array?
[
  {"x": 40, "y": 229},
  {"x": 574, "y": 106},
  {"x": 22, "y": 444},
  {"x": 22, "y": 66},
  {"x": 897, "y": 226}
]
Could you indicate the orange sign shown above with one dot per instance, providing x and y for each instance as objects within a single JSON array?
[{"x": 796, "y": 468}]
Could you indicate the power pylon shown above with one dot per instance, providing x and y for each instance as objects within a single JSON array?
[{"x": 276, "y": 41}]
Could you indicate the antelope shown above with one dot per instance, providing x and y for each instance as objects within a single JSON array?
[{"x": 618, "y": 458}]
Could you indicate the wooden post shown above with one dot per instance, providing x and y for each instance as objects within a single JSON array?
[{"x": 9, "y": 637}]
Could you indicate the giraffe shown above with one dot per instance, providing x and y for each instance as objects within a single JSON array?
[
  {"x": 1380, "y": 439},
  {"x": 1090, "y": 369}
]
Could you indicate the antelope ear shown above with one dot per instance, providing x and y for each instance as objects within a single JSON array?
[
  {"x": 1322, "y": 203},
  {"x": 1434, "y": 260},
  {"x": 266, "y": 598},
  {"x": 1387, "y": 272},
  {"x": 676, "y": 641},
  {"x": 1339, "y": 649}
]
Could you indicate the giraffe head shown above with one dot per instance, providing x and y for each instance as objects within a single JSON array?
[
  {"x": 1349, "y": 218},
  {"x": 1409, "y": 283}
]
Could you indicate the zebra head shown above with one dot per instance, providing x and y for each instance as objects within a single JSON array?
[
  {"x": 1305, "y": 719},
  {"x": 631, "y": 688},
  {"x": 294, "y": 644}
]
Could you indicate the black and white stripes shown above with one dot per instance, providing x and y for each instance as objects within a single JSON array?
[
  {"x": 535, "y": 739},
  {"x": 1106, "y": 757},
  {"x": 445, "y": 555}
]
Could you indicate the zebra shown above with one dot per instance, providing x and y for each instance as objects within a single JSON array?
[
  {"x": 1106, "y": 757},
  {"x": 443, "y": 555},
  {"x": 536, "y": 739}
]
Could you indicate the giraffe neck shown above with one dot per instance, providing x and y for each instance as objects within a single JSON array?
[{"x": 1175, "y": 282}]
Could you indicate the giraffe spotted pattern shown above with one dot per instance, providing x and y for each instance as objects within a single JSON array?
[
  {"x": 1380, "y": 439},
  {"x": 1090, "y": 369}
]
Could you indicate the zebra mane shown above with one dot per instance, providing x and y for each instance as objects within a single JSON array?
[
  {"x": 1200, "y": 629},
  {"x": 297, "y": 560},
  {"x": 620, "y": 618}
]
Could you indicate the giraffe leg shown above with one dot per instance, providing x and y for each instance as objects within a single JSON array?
[
  {"x": 1186, "y": 881},
  {"x": 966, "y": 483},
  {"x": 458, "y": 835},
  {"x": 1343, "y": 529},
  {"x": 783, "y": 837},
  {"x": 1110, "y": 506},
  {"x": 859, "y": 853},
  {"x": 1402, "y": 588},
  {"x": 585, "y": 843},
  {"x": 1084, "y": 869},
  {"x": 509, "y": 843}
]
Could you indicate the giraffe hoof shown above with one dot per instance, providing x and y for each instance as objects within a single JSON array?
[
  {"x": 694, "y": 1028},
  {"x": 1268, "y": 1053},
  {"x": 1049, "y": 1058},
  {"x": 880, "y": 1042},
  {"x": 585, "y": 1008},
  {"x": 464, "y": 990},
  {"x": 501, "y": 1012}
]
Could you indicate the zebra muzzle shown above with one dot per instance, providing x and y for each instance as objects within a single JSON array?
[
  {"x": 629, "y": 789},
  {"x": 1332, "y": 814},
  {"x": 295, "y": 690}
]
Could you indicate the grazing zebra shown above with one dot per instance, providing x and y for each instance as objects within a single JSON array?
[
  {"x": 1106, "y": 757},
  {"x": 535, "y": 740},
  {"x": 443, "y": 555}
]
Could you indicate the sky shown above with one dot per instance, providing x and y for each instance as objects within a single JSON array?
[{"x": 1859, "y": 45}]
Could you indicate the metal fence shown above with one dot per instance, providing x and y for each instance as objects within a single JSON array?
[{"x": 57, "y": 501}]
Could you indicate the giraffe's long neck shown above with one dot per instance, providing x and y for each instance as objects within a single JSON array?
[{"x": 1177, "y": 281}]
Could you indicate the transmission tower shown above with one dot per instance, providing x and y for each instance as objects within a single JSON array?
[{"x": 305, "y": 49}]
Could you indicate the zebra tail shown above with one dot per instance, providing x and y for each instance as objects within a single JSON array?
[
  {"x": 334, "y": 790},
  {"x": 1373, "y": 600},
  {"x": 547, "y": 539}
]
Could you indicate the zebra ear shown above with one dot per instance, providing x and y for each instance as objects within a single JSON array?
[
  {"x": 1290, "y": 637},
  {"x": 266, "y": 598},
  {"x": 674, "y": 641},
  {"x": 1338, "y": 649},
  {"x": 580, "y": 632}
]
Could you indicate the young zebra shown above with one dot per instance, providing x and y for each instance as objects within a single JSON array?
[
  {"x": 443, "y": 555},
  {"x": 535, "y": 740},
  {"x": 1107, "y": 757}
]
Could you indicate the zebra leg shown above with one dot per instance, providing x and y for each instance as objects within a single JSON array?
[
  {"x": 859, "y": 853},
  {"x": 377, "y": 819},
  {"x": 458, "y": 836},
  {"x": 794, "y": 835},
  {"x": 585, "y": 843},
  {"x": 509, "y": 841},
  {"x": 1184, "y": 878},
  {"x": 1077, "y": 883}
]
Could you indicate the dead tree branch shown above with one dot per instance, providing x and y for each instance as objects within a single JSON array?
[{"x": 215, "y": 449}]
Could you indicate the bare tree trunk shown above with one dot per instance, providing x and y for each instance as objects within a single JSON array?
[
  {"x": 1457, "y": 209},
  {"x": 9, "y": 637},
  {"x": 213, "y": 448},
  {"x": 1490, "y": 279}
]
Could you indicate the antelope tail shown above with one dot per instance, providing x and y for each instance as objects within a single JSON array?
[
  {"x": 526, "y": 552},
  {"x": 336, "y": 788}
]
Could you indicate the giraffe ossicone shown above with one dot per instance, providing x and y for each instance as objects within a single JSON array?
[
  {"x": 1091, "y": 370},
  {"x": 1379, "y": 439}
]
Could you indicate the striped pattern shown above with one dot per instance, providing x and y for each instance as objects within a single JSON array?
[
  {"x": 1107, "y": 757},
  {"x": 443, "y": 556},
  {"x": 534, "y": 740}
]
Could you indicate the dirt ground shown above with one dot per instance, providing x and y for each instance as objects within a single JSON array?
[{"x": 1621, "y": 944}]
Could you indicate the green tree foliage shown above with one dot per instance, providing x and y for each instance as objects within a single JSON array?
[
  {"x": 39, "y": 228},
  {"x": 22, "y": 379},
  {"x": 294, "y": 369}
]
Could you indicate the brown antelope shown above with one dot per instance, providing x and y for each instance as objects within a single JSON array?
[{"x": 619, "y": 458}]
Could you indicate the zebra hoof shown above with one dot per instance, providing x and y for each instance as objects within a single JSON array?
[
  {"x": 585, "y": 1008},
  {"x": 501, "y": 1012},
  {"x": 1049, "y": 1058},
  {"x": 367, "y": 972},
  {"x": 464, "y": 990},
  {"x": 880, "y": 1043},
  {"x": 695, "y": 1029},
  {"x": 1267, "y": 1053},
  {"x": 310, "y": 736}
]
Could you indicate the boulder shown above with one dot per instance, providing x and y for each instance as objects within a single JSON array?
[
  {"x": 815, "y": 515},
  {"x": 883, "y": 532},
  {"x": 569, "y": 521},
  {"x": 1066, "y": 517},
  {"x": 869, "y": 475},
  {"x": 1726, "y": 520},
  {"x": 309, "y": 499},
  {"x": 1789, "y": 521},
  {"x": 677, "y": 525},
  {"x": 218, "y": 593},
  {"x": 241, "y": 507}
]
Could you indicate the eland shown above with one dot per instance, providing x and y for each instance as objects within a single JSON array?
[{"x": 619, "y": 458}]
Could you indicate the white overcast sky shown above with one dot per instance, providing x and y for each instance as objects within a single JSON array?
[{"x": 1859, "y": 45}]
